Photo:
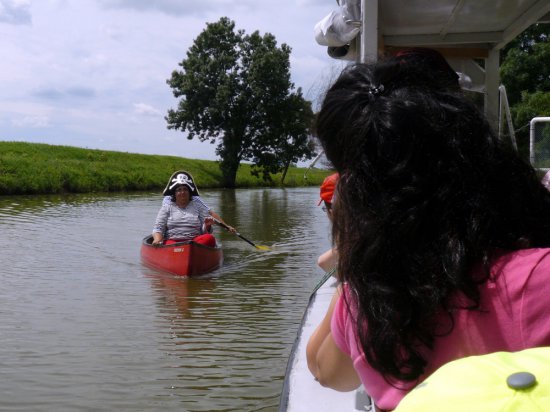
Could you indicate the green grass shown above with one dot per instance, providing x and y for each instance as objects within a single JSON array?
[{"x": 33, "y": 168}]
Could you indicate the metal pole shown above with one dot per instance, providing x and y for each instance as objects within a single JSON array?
[
  {"x": 492, "y": 81},
  {"x": 368, "y": 38}
]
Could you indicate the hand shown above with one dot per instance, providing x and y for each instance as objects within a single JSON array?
[
  {"x": 208, "y": 221},
  {"x": 157, "y": 242},
  {"x": 231, "y": 229}
]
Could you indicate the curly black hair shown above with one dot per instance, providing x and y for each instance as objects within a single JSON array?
[{"x": 426, "y": 193}]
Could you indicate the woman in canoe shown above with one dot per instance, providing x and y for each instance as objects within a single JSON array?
[
  {"x": 183, "y": 218},
  {"x": 167, "y": 199},
  {"x": 442, "y": 231}
]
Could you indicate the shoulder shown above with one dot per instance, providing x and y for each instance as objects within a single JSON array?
[
  {"x": 164, "y": 211},
  {"x": 521, "y": 271},
  {"x": 524, "y": 281},
  {"x": 199, "y": 201},
  {"x": 523, "y": 263},
  {"x": 533, "y": 299},
  {"x": 199, "y": 204}
]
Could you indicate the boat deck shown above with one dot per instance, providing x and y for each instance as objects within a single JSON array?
[{"x": 301, "y": 392}]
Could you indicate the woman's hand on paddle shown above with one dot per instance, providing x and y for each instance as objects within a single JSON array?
[
  {"x": 218, "y": 219},
  {"x": 208, "y": 222}
]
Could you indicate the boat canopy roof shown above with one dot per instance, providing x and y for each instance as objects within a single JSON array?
[
  {"x": 470, "y": 27},
  {"x": 465, "y": 32}
]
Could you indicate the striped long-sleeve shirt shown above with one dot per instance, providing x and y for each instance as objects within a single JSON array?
[{"x": 182, "y": 223}]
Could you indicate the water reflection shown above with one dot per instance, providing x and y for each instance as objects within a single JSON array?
[
  {"x": 177, "y": 294},
  {"x": 85, "y": 326}
]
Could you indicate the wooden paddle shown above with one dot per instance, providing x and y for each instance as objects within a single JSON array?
[{"x": 260, "y": 247}]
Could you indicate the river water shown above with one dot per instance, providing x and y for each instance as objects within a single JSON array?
[{"x": 84, "y": 326}]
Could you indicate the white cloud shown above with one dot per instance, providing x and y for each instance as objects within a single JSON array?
[
  {"x": 93, "y": 73},
  {"x": 35, "y": 122},
  {"x": 147, "y": 110},
  {"x": 15, "y": 12},
  {"x": 65, "y": 93},
  {"x": 112, "y": 32},
  {"x": 95, "y": 61},
  {"x": 179, "y": 7}
]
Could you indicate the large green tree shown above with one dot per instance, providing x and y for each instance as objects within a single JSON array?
[
  {"x": 287, "y": 140},
  {"x": 525, "y": 71},
  {"x": 526, "y": 63},
  {"x": 235, "y": 89}
]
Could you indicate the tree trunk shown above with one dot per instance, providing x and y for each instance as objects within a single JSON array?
[
  {"x": 287, "y": 165},
  {"x": 230, "y": 159},
  {"x": 230, "y": 154},
  {"x": 229, "y": 169}
]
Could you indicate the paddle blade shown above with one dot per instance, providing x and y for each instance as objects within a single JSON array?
[{"x": 261, "y": 247}]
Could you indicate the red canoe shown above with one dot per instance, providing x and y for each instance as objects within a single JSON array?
[{"x": 182, "y": 258}]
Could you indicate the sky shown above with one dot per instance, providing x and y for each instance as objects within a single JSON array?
[{"x": 92, "y": 73}]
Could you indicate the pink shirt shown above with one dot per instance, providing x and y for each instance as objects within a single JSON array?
[{"x": 516, "y": 316}]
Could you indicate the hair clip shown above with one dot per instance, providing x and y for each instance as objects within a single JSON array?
[{"x": 376, "y": 90}]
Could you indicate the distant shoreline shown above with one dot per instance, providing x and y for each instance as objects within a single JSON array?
[{"x": 37, "y": 168}]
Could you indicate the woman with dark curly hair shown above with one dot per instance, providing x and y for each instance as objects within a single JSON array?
[{"x": 443, "y": 234}]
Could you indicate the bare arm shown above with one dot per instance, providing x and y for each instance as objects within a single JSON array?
[
  {"x": 330, "y": 366},
  {"x": 218, "y": 217},
  {"x": 160, "y": 224},
  {"x": 157, "y": 238},
  {"x": 328, "y": 259}
]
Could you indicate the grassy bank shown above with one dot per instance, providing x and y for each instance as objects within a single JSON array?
[{"x": 33, "y": 168}]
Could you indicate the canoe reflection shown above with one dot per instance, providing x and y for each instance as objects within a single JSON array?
[{"x": 180, "y": 296}]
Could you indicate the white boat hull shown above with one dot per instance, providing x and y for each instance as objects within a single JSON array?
[{"x": 301, "y": 392}]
